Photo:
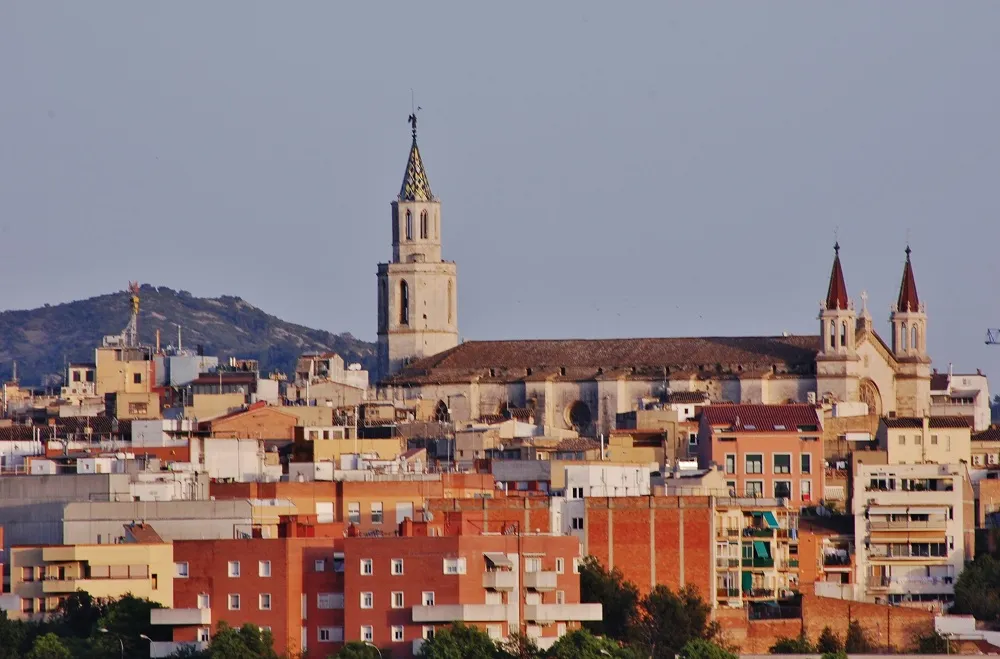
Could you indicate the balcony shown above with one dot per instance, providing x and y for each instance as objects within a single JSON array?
[
  {"x": 727, "y": 563},
  {"x": 788, "y": 564},
  {"x": 543, "y": 613},
  {"x": 461, "y": 613},
  {"x": 181, "y": 617},
  {"x": 97, "y": 587},
  {"x": 758, "y": 562},
  {"x": 499, "y": 580},
  {"x": 756, "y": 532},
  {"x": 728, "y": 533},
  {"x": 836, "y": 561},
  {"x": 908, "y": 525},
  {"x": 540, "y": 580},
  {"x": 171, "y": 648},
  {"x": 727, "y": 593}
]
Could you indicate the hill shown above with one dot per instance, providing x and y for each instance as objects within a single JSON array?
[{"x": 42, "y": 339}]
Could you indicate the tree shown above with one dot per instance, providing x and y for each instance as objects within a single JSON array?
[
  {"x": 857, "y": 641},
  {"x": 358, "y": 650},
  {"x": 581, "y": 644},
  {"x": 840, "y": 654},
  {"x": 247, "y": 642},
  {"x": 519, "y": 646},
  {"x": 126, "y": 618},
  {"x": 829, "y": 643},
  {"x": 701, "y": 649},
  {"x": 798, "y": 645},
  {"x": 668, "y": 620},
  {"x": 78, "y": 614},
  {"x": 13, "y": 635},
  {"x": 618, "y": 597},
  {"x": 932, "y": 643},
  {"x": 458, "y": 642},
  {"x": 48, "y": 646},
  {"x": 977, "y": 591}
]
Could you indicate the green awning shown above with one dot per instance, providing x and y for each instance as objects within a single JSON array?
[
  {"x": 770, "y": 520},
  {"x": 747, "y": 581},
  {"x": 760, "y": 549}
]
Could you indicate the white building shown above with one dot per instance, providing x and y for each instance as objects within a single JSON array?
[
  {"x": 597, "y": 480},
  {"x": 961, "y": 394},
  {"x": 913, "y": 529}
]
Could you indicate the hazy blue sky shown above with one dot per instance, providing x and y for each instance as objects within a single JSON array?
[{"x": 606, "y": 169}]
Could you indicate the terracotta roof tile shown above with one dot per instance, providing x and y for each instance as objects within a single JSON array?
[
  {"x": 682, "y": 397},
  {"x": 991, "y": 434},
  {"x": 933, "y": 422},
  {"x": 762, "y": 418},
  {"x": 578, "y": 444}
]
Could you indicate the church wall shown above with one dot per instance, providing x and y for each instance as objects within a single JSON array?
[
  {"x": 875, "y": 367},
  {"x": 753, "y": 390},
  {"x": 796, "y": 389},
  {"x": 730, "y": 389},
  {"x": 567, "y": 393}
]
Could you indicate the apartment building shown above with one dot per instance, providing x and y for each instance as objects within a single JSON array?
[
  {"x": 525, "y": 583},
  {"x": 44, "y": 576},
  {"x": 913, "y": 529},
  {"x": 756, "y": 550},
  {"x": 914, "y": 440},
  {"x": 765, "y": 451},
  {"x": 827, "y": 556}
]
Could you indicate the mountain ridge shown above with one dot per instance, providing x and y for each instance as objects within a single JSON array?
[{"x": 43, "y": 339}]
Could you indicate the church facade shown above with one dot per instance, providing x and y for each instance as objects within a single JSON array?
[{"x": 582, "y": 384}]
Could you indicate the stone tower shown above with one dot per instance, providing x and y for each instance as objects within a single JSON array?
[
  {"x": 417, "y": 291},
  {"x": 909, "y": 347},
  {"x": 837, "y": 364}
]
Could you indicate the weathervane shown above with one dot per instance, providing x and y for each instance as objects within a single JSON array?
[{"x": 412, "y": 119}]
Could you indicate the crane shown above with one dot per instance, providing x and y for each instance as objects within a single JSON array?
[{"x": 992, "y": 336}]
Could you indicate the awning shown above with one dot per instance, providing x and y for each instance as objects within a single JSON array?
[
  {"x": 747, "y": 581},
  {"x": 498, "y": 560},
  {"x": 887, "y": 510},
  {"x": 760, "y": 548},
  {"x": 928, "y": 510},
  {"x": 769, "y": 519}
]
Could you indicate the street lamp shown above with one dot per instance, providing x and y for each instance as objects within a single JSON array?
[
  {"x": 372, "y": 645},
  {"x": 121, "y": 643}
]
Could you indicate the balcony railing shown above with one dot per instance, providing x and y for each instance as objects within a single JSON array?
[
  {"x": 908, "y": 525},
  {"x": 727, "y": 593},
  {"x": 727, "y": 563},
  {"x": 181, "y": 617},
  {"x": 758, "y": 562},
  {"x": 562, "y": 612},
  {"x": 460, "y": 613},
  {"x": 836, "y": 560},
  {"x": 499, "y": 580},
  {"x": 540, "y": 580}
]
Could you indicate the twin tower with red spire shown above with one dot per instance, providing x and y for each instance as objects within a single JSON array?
[{"x": 849, "y": 343}]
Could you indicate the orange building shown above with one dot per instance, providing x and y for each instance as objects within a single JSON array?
[{"x": 765, "y": 450}]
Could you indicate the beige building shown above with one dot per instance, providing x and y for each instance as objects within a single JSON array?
[
  {"x": 42, "y": 577},
  {"x": 417, "y": 290},
  {"x": 985, "y": 447},
  {"x": 585, "y": 384},
  {"x": 942, "y": 440},
  {"x": 134, "y": 405},
  {"x": 123, "y": 369}
]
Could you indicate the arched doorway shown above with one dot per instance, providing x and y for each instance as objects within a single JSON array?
[
  {"x": 579, "y": 417},
  {"x": 869, "y": 394}
]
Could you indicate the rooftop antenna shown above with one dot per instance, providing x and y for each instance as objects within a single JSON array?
[{"x": 132, "y": 329}]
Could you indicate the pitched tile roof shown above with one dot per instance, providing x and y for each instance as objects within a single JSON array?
[
  {"x": 681, "y": 397},
  {"x": 991, "y": 434},
  {"x": 836, "y": 293},
  {"x": 519, "y": 360},
  {"x": 762, "y": 418},
  {"x": 933, "y": 422},
  {"x": 578, "y": 444},
  {"x": 415, "y": 186},
  {"x": 908, "y": 300}
]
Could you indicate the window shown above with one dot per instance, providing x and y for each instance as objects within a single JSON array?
[
  {"x": 731, "y": 485},
  {"x": 366, "y": 633},
  {"x": 181, "y": 570},
  {"x": 353, "y": 512},
  {"x": 263, "y": 568},
  {"x": 806, "y": 463},
  {"x": 427, "y": 632},
  {"x": 234, "y": 568},
  {"x": 755, "y": 463},
  {"x": 376, "y": 512},
  {"x": 203, "y": 601},
  {"x": 428, "y": 598},
  {"x": 27, "y": 574},
  {"x": 319, "y": 565},
  {"x": 454, "y": 566},
  {"x": 367, "y": 600},
  {"x": 560, "y": 565},
  {"x": 692, "y": 439},
  {"x": 576, "y": 566},
  {"x": 806, "y": 489},
  {"x": 397, "y": 599},
  {"x": 917, "y": 440},
  {"x": 934, "y": 440},
  {"x": 396, "y": 567},
  {"x": 532, "y": 564},
  {"x": 782, "y": 489},
  {"x": 203, "y": 634},
  {"x": 137, "y": 378},
  {"x": 423, "y": 225},
  {"x": 560, "y": 597},
  {"x": 409, "y": 226},
  {"x": 577, "y": 523},
  {"x": 330, "y": 635},
  {"x": 782, "y": 463},
  {"x": 27, "y": 605},
  {"x": 234, "y": 602},
  {"x": 577, "y": 493},
  {"x": 138, "y": 408},
  {"x": 902, "y": 440},
  {"x": 404, "y": 303},
  {"x": 397, "y": 633},
  {"x": 264, "y": 601},
  {"x": 755, "y": 488},
  {"x": 76, "y": 376},
  {"x": 730, "y": 463},
  {"x": 366, "y": 566},
  {"x": 330, "y": 601}
]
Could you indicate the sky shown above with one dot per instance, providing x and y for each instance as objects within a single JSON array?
[{"x": 605, "y": 169}]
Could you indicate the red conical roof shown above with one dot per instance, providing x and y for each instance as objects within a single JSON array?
[
  {"x": 908, "y": 300},
  {"x": 836, "y": 294}
]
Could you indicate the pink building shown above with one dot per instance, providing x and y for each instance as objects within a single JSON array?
[{"x": 765, "y": 451}]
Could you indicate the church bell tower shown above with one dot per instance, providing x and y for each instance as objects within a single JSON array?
[
  {"x": 837, "y": 363},
  {"x": 417, "y": 290},
  {"x": 909, "y": 347}
]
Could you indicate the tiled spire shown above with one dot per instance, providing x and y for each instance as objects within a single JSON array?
[
  {"x": 908, "y": 300},
  {"x": 836, "y": 294},
  {"x": 415, "y": 186}
]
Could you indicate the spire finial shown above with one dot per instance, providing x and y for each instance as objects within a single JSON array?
[
  {"x": 908, "y": 250},
  {"x": 412, "y": 119},
  {"x": 836, "y": 248}
]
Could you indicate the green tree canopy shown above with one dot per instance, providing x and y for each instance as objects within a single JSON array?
[
  {"x": 701, "y": 649},
  {"x": 48, "y": 646},
  {"x": 13, "y": 637},
  {"x": 828, "y": 642},
  {"x": 668, "y": 620},
  {"x": 359, "y": 650},
  {"x": 458, "y": 642},
  {"x": 932, "y": 643},
  {"x": 977, "y": 591},
  {"x": 619, "y": 598},
  {"x": 519, "y": 646},
  {"x": 797, "y": 645},
  {"x": 247, "y": 642},
  {"x": 857, "y": 641},
  {"x": 581, "y": 644}
]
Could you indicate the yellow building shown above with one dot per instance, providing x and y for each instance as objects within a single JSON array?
[
  {"x": 121, "y": 369},
  {"x": 42, "y": 577},
  {"x": 211, "y": 406},
  {"x": 144, "y": 405},
  {"x": 937, "y": 439}
]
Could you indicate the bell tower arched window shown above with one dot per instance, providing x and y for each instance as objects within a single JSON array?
[
  {"x": 423, "y": 225},
  {"x": 903, "y": 336},
  {"x": 843, "y": 334},
  {"x": 404, "y": 303},
  {"x": 833, "y": 334},
  {"x": 409, "y": 226},
  {"x": 913, "y": 338}
]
